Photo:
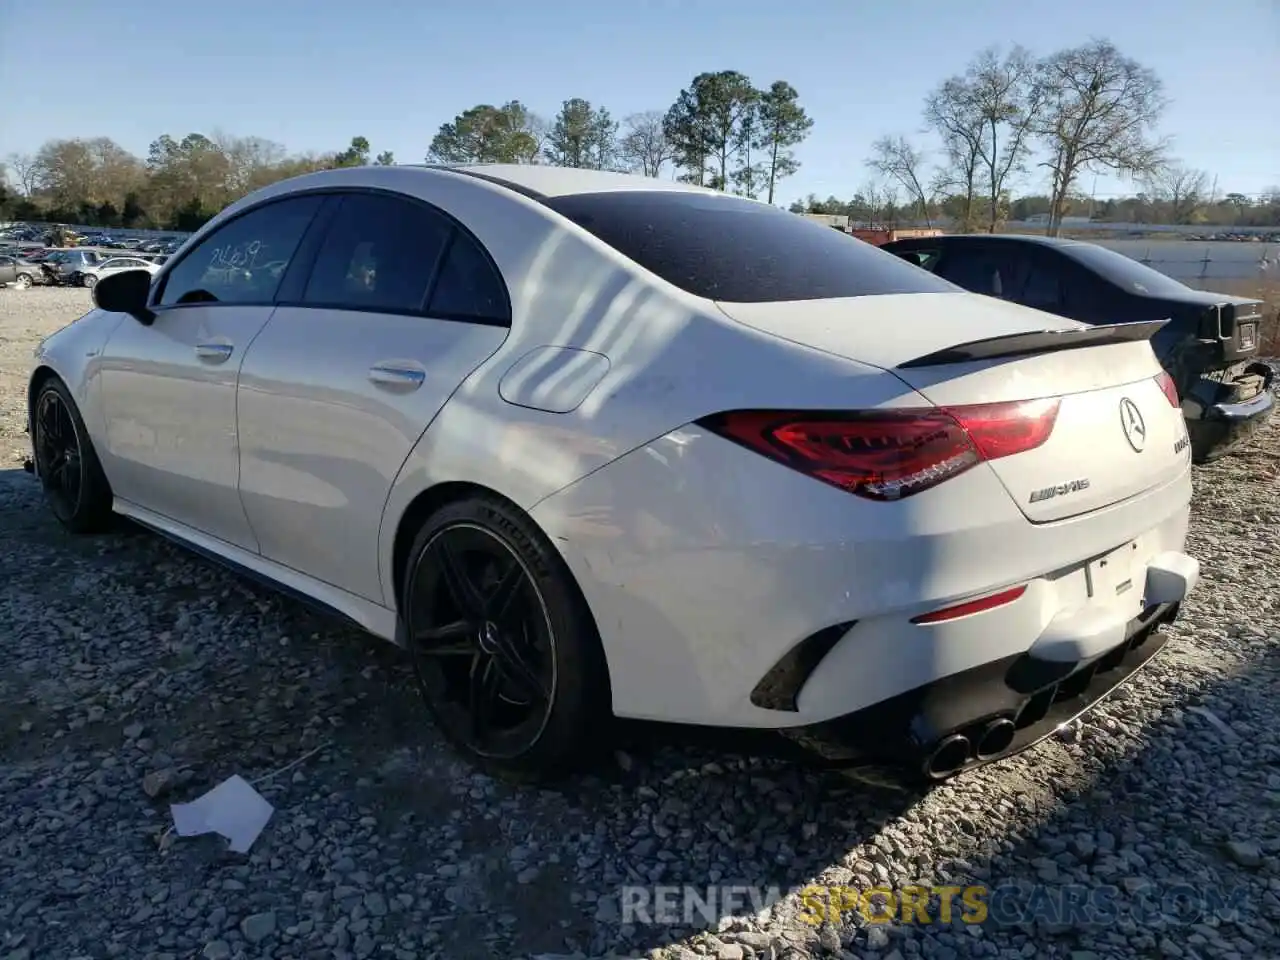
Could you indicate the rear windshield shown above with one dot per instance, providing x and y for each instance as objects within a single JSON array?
[
  {"x": 740, "y": 251},
  {"x": 1126, "y": 273}
]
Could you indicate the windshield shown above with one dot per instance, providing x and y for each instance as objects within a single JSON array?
[
  {"x": 1125, "y": 272},
  {"x": 740, "y": 251}
]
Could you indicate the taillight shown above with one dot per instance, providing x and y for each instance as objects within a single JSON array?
[
  {"x": 1169, "y": 388},
  {"x": 890, "y": 454}
]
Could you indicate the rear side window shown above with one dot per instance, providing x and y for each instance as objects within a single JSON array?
[
  {"x": 740, "y": 251},
  {"x": 469, "y": 286},
  {"x": 378, "y": 254}
]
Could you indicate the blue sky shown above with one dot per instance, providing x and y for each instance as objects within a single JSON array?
[{"x": 310, "y": 75}]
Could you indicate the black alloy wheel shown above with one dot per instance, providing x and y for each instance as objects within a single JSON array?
[
  {"x": 59, "y": 462},
  {"x": 482, "y": 641},
  {"x": 66, "y": 463}
]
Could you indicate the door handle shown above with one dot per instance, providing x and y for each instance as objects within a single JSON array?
[
  {"x": 397, "y": 376},
  {"x": 215, "y": 352}
]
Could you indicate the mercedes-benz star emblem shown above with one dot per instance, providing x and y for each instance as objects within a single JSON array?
[
  {"x": 489, "y": 639},
  {"x": 1135, "y": 429}
]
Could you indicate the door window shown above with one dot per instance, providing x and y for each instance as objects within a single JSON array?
[
  {"x": 379, "y": 254},
  {"x": 244, "y": 260}
]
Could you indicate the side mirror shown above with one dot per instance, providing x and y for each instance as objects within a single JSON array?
[{"x": 125, "y": 292}]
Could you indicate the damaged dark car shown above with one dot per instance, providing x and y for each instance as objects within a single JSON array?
[{"x": 1210, "y": 345}]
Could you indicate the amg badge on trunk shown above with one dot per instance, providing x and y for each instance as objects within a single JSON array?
[{"x": 1061, "y": 490}]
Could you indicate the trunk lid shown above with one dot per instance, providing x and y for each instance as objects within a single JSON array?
[
  {"x": 887, "y": 330},
  {"x": 1116, "y": 436}
]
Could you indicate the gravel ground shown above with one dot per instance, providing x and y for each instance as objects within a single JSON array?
[{"x": 136, "y": 676}]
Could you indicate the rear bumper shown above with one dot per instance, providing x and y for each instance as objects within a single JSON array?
[
  {"x": 982, "y": 714},
  {"x": 1221, "y": 427}
]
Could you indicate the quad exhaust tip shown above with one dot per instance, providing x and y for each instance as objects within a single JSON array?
[
  {"x": 996, "y": 738},
  {"x": 948, "y": 757},
  {"x": 953, "y": 753}
]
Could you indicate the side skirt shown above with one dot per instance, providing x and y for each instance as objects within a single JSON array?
[{"x": 321, "y": 597}]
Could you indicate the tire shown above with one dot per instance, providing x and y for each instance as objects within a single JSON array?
[
  {"x": 560, "y": 647},
  {"x": 88, "y": 281},
  {"x": 23, "y": 282},
  {"x": 88, "y": 509}
]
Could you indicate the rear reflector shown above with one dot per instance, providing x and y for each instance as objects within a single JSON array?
[
  {"x": 970, "y": 607},
  {"x": 1169, "y": 388},
  {"x": 890, "y": 454}
]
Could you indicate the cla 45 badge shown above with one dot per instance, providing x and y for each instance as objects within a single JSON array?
[
  {"x": 1061, "y": 490},
  {"x": 1184, "y": 441}
]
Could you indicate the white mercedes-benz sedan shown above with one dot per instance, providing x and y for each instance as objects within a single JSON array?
[{"x": 590, "y": 445}]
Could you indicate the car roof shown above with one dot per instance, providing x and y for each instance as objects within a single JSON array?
[{"x": 546, "y": 180}]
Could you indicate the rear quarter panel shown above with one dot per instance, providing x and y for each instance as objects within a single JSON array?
[{"x": 672, "y": 358}]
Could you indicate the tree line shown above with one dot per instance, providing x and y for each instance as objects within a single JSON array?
[
  {"x": 1011, "y": 123},
  {"x": 1062, "y": 119},
  {"x": 721, "y": 131},
  {"x": 180, "y": 185}
]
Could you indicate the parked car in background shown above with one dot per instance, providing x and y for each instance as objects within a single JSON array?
[
  {"x": 89, "y": 275},
  {"x": 766, "y": 476},
  {"x": 15, "y": 272},
  {"x": 65, "y": 266},
  {"x": 1209, "y": 345}
]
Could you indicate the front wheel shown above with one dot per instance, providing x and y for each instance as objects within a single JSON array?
[
  {"x": 74, "y": 485},
  {"x": 23, "y": 282},
  {"x": 88, "y": 280},
  {"x": 505, "y": 651}
]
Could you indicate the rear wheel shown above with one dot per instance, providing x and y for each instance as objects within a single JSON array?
[
  {"x": 88, "y": 280},
  {"x": 506, "y": 655},
  {"x": 74, "y": 485},
  {"x": 23, "y": 282}
]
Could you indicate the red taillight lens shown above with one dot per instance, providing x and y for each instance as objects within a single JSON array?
[
  {"x": 890, "y": 454},
  {"x": 1169, "y": 388},
  {"x": 970, "y": 607}
]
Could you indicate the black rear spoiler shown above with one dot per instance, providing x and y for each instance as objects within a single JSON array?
[{"x": 1038, "y": 341}]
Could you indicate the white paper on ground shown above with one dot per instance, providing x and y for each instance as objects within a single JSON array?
[{"x": 233, "y": 809}]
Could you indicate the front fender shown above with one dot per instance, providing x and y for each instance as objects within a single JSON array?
[{"x": 74, "y": 353}]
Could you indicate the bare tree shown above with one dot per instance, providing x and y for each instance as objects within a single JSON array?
[
  {"x": 896, "y": 159},
  {"x": 252, "y": 161},
  {"x": 1181, "y": 188},
  {"x": 643, "y": 145},
  {"x": 1100, "y": 110},
  {"x": 871, "y": 204},
  {"x": 26, "y": 171},
  {"x": 1007, "y": 97},
  {"x": 951, "y": 110}
]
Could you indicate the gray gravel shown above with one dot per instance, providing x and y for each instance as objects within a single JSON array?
[{"x": 135, "y": 676}]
